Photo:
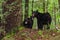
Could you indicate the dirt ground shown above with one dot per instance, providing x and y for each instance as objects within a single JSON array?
[{"x": 32, "y": 34}]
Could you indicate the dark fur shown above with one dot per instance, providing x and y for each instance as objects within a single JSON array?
[
  {"x": 29, "y": 23},
  {"x": 42, "y": 19}
]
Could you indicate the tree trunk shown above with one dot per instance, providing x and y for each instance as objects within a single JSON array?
[
  {"x": 46, "y": 9},
  {"x": 20, "y": 13},
  {"x": 14, "y": 18},
  {"x": 32, "y": 5},
  {"x": 43, "y": 5},
  {"x": 26, "y": 8},
  {"x": 59, "y": 4},
  {"x": 54, "y": 10},
  {"x": 59, "y": 10}
]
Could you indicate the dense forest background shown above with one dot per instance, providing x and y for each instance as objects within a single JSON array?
[{"x": 13, "y": 13}]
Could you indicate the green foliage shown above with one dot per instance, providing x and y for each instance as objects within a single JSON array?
[
  {"x": 36, "y": 5},
  {"x": 21, "y": 28},
  {"x": 40, "y": 32}
]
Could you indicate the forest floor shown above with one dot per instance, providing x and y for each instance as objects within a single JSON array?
[{"x": 32, "y": 34}]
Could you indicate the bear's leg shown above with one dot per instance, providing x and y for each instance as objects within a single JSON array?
[
  {"x": 40, "y": 26},
  {"x": 48, "y": 26}
]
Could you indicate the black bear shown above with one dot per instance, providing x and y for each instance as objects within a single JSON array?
[
  {"x": 42, "y": 19},
  {"x": 28, "y": 22}
]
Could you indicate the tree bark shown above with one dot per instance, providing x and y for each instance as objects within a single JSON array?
[
  {"x": 43, "y": 5},
  {"x": 59, "y": 4},
  {"x": 59, "y": 8},
  {"x": 26, "y": 8},
  {"x": 46, "y": 9},
  {"x": 14, "y": 18},
  {"x": 32, "y": 4},
  {"x": 54, "y": 10}
]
